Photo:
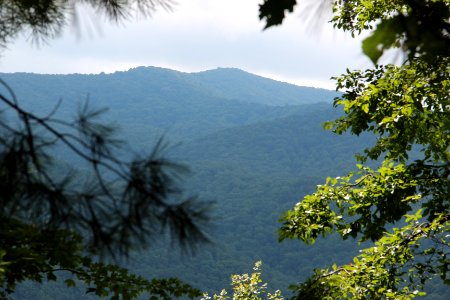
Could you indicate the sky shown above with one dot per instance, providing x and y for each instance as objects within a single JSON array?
[{"x": 196, "y": 35}]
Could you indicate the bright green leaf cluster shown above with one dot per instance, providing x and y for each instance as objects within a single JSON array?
[
  {"x": 247, "y": 287},
  {"x": 351, "y": 207},
  {"x": 407, "y": 108},
  {"x": 404, "y": 105},
  {"x": 388, "y": 270},
  {"x": 419, "y": 27}
]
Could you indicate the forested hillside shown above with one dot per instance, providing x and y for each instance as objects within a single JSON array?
[
  {"x": 154, "y": 100},
  {"x": 254, "y": 147}
]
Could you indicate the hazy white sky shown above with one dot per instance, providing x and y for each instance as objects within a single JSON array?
[{"x": 198, "y": 35}]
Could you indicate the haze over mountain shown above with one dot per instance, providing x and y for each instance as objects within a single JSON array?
[
  {"x": 255, "y": 147},
  {"x": 236, "y": 84},
  {"x": 225, "y": 83},
  {"x": 157, "y": 100}
]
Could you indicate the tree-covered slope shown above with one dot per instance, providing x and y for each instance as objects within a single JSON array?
[
  {"x": 233, "y": 83},
  {"x": 254, "y": 160},
  {"x": 155, "y": 100},
  {"x": 254, "y": 173},
  {"x": 291, "y": 144}
]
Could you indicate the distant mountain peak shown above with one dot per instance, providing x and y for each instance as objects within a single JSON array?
[
  {"x": 226, "y": 70},
  {"x": 236, "y": 83},
  {"x": 221, "y": 84},
  {"x": 151, "y": 69}
]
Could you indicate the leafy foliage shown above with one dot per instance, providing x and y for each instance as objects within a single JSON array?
[
  {"x": 56, "y": 218},
  {"x": 395, "y": 268},
  {"x": 44, "y": 19},
  {"x": 274, "y": 11},
  {"x": 407, "y": 107},
  {"x": 117, "y": 205},
  {"x": 419, "y": 27},
  {"x": 247, "y": 287},
  {"x": 43, "y": 254}
]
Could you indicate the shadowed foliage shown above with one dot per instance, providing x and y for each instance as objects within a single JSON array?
[
  {"x": 114, "y": 204},
  {"x": 56, "y": 217},
  {"x": 45, "y": 19}
]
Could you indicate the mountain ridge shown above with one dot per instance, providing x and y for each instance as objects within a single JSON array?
[
  {"x": 158, "y": 100},
  {"x": 219, "y": 82}
]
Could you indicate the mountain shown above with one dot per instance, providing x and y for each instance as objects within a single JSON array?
[
  {"x": 255, "y": 146},
  {"x": 156, "y": 100},
  {"x": 233, "y": 83},
  {"x": 283, "y": 144}
]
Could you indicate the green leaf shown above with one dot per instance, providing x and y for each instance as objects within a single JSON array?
[
  {"x": 382, "y": 38},
  {"x": 70, "y": 282},
  {"x": 274, "y": 11}
]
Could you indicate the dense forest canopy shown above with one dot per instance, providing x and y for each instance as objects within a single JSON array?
[{"x": 254, "y": 160}]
